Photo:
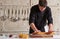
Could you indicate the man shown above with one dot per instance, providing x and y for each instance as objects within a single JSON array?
[{"x": 39, "y": 15}]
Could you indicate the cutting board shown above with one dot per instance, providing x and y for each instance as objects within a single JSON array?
[{"x": 42, "y": 35}]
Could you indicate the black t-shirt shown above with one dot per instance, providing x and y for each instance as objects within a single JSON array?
[{"x": 39, "y": 18}]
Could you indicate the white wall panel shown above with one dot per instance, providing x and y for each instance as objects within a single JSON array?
[
  {"x": 21, "y": 25},
  {"x": 56, "y": 17},
  {"x": 53, "y": 2},
  {"x": 15, "y": 2}
]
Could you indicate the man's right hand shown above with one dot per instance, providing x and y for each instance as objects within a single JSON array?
[
  {"x": 35, "y": 32},
  {"x": 32, "y": 25}
]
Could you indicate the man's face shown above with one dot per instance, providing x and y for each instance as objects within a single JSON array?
[{"x": 42, "y": 8}]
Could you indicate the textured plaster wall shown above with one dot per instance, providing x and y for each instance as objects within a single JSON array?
[{"x": 23, "y": 25}]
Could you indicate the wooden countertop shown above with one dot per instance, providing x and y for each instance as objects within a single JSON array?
[{"x": 42, "y": 35}]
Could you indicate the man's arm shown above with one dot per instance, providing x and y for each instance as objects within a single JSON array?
[
  {"x": 32, "y": 25},
  {"x": 32, "y": 20},
  {"x": 50, "y": 20},
  {"x": 50, "y": 27}
]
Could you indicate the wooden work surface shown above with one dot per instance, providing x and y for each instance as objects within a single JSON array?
[{"x": 42, "y": 35}]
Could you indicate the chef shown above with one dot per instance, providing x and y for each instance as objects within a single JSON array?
[{"x": 40, "y": 15}]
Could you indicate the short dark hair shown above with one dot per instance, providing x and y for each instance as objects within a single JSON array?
[{"x": 43, "y": 3}]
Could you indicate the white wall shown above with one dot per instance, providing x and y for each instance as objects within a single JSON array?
[{"x": 23, "y": 25}]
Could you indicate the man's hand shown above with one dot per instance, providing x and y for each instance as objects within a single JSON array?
[
  {"x": 50, "y": 28},
  {"x": 32, "y": 25},
  {"x": 35, "y": 32}
]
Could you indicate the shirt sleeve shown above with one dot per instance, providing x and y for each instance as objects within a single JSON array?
[
  {"x": 49, "y": 17},
  {"x": 32, "y": 16}
]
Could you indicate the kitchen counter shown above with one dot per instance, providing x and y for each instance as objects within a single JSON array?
[
  {"x": 54, "y": 37},
  {"x": 15, "y": 36}
]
